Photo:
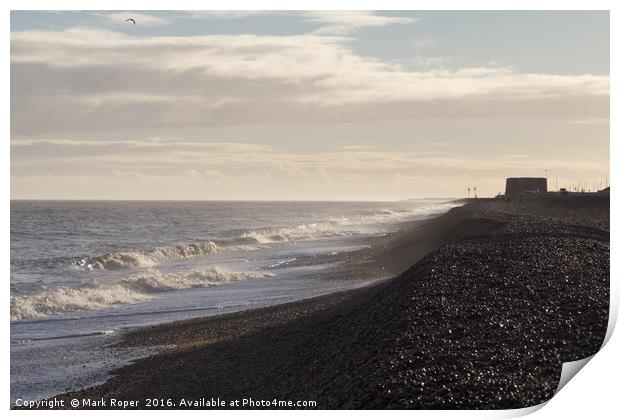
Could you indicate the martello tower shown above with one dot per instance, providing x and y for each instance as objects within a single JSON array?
[{"x": 526, "y": 185}]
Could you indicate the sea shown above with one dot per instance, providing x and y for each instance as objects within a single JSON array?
[{"x": 84, "y": 272}]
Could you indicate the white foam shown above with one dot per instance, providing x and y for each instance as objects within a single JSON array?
[
  {"x": 66, "y": 299},
  {"x": 128, "y": 290},
  {"x": 128, "y": 259},
  {"x": 300, "y": 232},
  {"x": 154, "y": 281},
  {"x": 117, "y": 260},
  {"x": 133, "y": 259},
  {"x": 382, "y": 216},
  {"x": 371, "y": 222},
  {"x": 282, "y": 262}
]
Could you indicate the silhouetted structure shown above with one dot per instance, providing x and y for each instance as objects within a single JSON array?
[{"x": 526, "y": 185}]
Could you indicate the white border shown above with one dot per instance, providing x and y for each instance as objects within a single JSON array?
[{"x": 593, "y": 393}]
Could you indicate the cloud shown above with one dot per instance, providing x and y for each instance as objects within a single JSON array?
[
  {"x": 83, "y": 79},
  {"x": 439, "y": 143},
  {"x": 357, "y": 147},
  {"x": 591, "y": 121},
  {"x": 144, "y": 155},
  {"x": 333, "y": 22},
  {"x": 422, "y": 42},
  {"x": 345, "y": 22},
  {"x": 142, "y": 19},
  {"x": 226, "y": 14},
  {"x": 95, "y": 148}
]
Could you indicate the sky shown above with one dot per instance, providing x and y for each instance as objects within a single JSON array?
[{"x": 314, "y": 105}]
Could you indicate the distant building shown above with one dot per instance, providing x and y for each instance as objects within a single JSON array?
[{"x": 526, "y": 186}]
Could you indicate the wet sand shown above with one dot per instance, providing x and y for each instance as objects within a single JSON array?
[{"x": 487, "y": 302}]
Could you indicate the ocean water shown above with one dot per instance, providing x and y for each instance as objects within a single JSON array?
[{"x": 84, "y": 272}]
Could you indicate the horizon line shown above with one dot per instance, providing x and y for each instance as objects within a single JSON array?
[{"x": 233, "y": 200}]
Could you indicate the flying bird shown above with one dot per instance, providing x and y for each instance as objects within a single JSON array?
[{"x": 131, "y": 20}]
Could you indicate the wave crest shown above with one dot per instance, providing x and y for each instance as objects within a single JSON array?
[
  {"x": 66, "y": 299},
  {"x": 122, "y": 260},
  {"x": 300, "y": 232},
  {"x": 250, "y": 240},
  {"x": 129, "y": 290},
  {"x": 156, "y": 281}
]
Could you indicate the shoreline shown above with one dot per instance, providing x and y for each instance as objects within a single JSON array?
[
  {"x": 382, "y": 260},
  {"x": 478, "y": 285}
]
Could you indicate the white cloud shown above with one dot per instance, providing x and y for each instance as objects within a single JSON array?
[
  {"x": 357, "y": 147},
  {"x": 143, "y": 154},
  {"x": 591, "y": 121},
  {"x": 345, "y": 22},
  {"x": 439, "y": 143},
  {"x": 87, "y": 79},
  {"x": 225, "y": 14},
  {"x": 423, "y": 42},
  {"x": 335, "y": 22}
]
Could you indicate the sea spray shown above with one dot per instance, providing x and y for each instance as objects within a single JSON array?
[
  {"x": 153, "y": 281},
  {"x": 127, "y": 291},
  {"x": 66, "y": 299}
]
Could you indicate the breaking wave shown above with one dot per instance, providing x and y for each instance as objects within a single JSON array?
[
  {"x": 381, "y": 216},
  {"x": 129, "y": 259},
  {"x": 128, "y": 290},
  {"x": 300, "y": 232},
  {"x": 153, "y": 281},
  {"x": 251, "y": 240},
  {"x": 137, "y": 287},
  {"x": 66, "y": 299},
  {"x": 246, "y": 242}
]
